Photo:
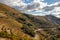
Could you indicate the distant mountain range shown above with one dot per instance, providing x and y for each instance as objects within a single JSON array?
[{"x": 15, "y": 25}]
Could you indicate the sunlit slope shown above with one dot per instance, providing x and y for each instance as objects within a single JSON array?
[
  {"x": 15, "y": 25},
  {"x": 10, "y": 28}
]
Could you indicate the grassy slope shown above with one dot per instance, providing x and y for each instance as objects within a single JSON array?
[
  {"x": 9, "y": 22},
  {"x": 18, "y": 26}
]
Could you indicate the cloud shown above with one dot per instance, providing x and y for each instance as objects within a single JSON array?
[
  {"x": 12, "y": 2},
  {"x": 37, "y": 7},
  {"x": 18, "y": 4},
  {"x": 32, "y": 6},
  {"x": 51, "y": 7}
]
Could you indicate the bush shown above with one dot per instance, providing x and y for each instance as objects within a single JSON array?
[
  {"x": 28, "y": 30},
  {"x": 11, "y": 36},
  {"x": 5, "y": 34}
]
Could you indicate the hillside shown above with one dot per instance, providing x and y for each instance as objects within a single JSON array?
[
  {"x": 57, "y": 20},
  {"x": 15, "y": 25}
]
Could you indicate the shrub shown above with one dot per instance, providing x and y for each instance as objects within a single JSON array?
[{"x": 28, "y": 30}]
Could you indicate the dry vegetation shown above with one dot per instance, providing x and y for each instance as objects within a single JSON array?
[{"x": 15, "y": 25}]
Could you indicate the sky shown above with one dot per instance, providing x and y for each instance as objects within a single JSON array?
[{"x": 35, "y": 7}]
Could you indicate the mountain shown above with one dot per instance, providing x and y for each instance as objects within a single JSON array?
[
  {"x": 15, "y": 25},
  {"x": 53, "y": 18}
]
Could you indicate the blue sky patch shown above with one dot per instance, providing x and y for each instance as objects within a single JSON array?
[
  {"x": 51, "y": 1},
  {"x": 27, "y": 1}
]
